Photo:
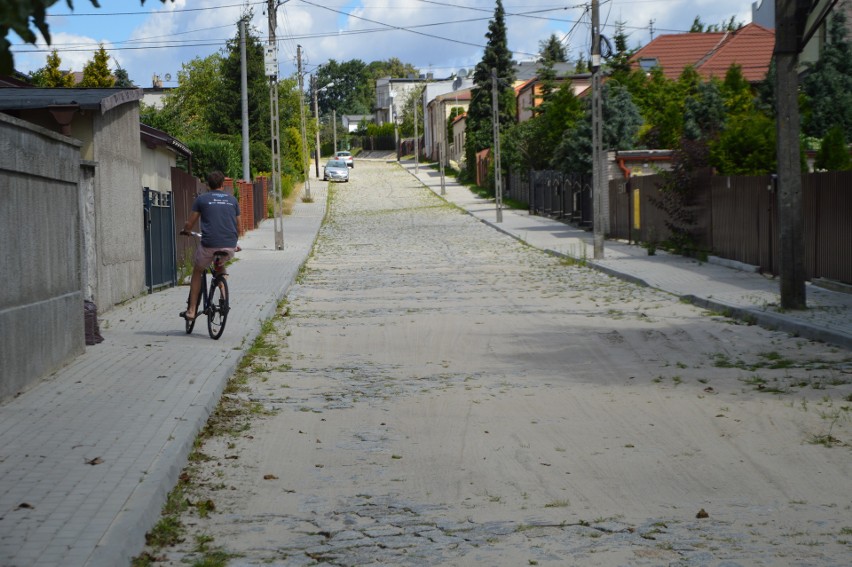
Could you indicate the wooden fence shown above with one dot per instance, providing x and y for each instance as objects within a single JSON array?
[{"x": 736, "y": 217}]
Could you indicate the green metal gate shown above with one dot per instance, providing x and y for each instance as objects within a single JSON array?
[{"x": 160, "y": 264}]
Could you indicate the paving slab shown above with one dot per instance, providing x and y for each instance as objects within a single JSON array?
[{"x": 90, "y": 453}]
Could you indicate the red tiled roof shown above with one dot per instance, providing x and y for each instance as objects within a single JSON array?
[{"x": 712, "y": 53}]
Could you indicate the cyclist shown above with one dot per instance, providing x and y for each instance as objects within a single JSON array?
[{"x": 220, "y": 215}]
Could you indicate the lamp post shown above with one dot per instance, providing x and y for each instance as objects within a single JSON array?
[{"x": 316, "y": 115}]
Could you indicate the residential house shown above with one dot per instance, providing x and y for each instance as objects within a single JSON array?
[
  {"x": 529, "y": 93},
  {"x": 456, "y": 153},
  {"x": 763, "y": 13},
  {"x": 431, "y": 91},
  {"x": 710, "y": 53},
  {"x": 438, "y": 112},
  {"x": 391, "y": 95},
  {"x": 352, "y": 122}
]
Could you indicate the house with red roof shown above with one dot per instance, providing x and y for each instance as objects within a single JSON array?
[{"x": 710, "y": 53}]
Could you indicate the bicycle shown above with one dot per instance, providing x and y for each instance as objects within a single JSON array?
[{"x": 213, "y": 301}]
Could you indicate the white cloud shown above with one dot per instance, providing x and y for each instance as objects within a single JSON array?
[{"x": 362, "y": 29}]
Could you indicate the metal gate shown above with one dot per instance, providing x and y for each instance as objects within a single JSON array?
[{"x": 160, "y": 265}]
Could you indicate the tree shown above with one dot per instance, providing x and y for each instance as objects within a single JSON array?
[
  {"x": 532, "y": 144},
  {"x": 17, "y": 16},
  {"x": 704, "y": 114},
  {"x": 345, "y": 87},
  {"x": 225, "y": 113},
  {"x": 188, "y": 108},
  {"x": 728, "y": 26},
  {"x": 619, "y": 63},
  {"x": 96, "y": 73},
  {"x": 122, "y": 79},
  {"x": 746, "y": 146},
  {"x": 828, "y": 86},
  {"x": 621, "y": 118},
  {"x": 50, "y": 75},
  {"x": 833, "y": 153},
  {"x": 496, "y": 56},
  {"x": 409, "y": 106},
  {"x": 552, "y": 50}
]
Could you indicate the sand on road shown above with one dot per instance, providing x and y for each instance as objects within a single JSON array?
[{"x": 441, "y": 394}]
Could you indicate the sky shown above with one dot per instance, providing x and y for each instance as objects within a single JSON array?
[{"x": 441, "y": 37}]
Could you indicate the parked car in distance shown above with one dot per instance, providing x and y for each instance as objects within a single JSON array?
[
  {"x": 347, "y": 157},
  {"x": 335, "y": 170}
]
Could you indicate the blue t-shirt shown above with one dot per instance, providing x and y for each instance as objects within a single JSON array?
[{"x": 219, "y": 212}]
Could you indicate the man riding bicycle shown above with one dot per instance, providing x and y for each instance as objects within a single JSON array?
[{"x": 220, "y": 214}]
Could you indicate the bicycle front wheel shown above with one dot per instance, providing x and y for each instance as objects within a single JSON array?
[{"x": 217, "y": 314}]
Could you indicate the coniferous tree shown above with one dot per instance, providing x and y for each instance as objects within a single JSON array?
[
  {"x": 828, "y": 87},
  {"x": 122, "y": 79},
  {"x": 551, "y": 49},
  {"x": 619, "y": 63},
  {"x": 50, "y": 75},
  {"x": 497, "y": 56},
  {"x": 96, "y": 73}
]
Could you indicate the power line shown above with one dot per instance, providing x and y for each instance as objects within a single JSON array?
[{"x": 147, "y": 13}]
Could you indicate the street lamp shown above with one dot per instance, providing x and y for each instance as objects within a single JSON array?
[{"x": 316, "y": 115}]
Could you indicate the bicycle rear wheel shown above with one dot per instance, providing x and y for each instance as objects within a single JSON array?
[
  {"x": 217, "y": 314},
  {"x": 191, "y": 324}
]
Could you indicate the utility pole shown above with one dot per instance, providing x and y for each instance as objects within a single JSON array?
[
  {"x": 598, "y": 181},
  {"x": 244, "y": 97},
  {"x": 789, "y": 197},
  {"x": 395, "y": 125},
  {"x": 416, "y": 139},
  {"x": 495, "y": 124},
  {"x": 271, "y": 64},
  {"x": 316, "y": 116},
  {"x": 306, "y": 165},
  {"x": 334, "y": 123},
  {"x": 441, "y": 160}
]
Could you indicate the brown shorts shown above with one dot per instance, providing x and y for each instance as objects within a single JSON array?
[{"x": 204, "y": 256}]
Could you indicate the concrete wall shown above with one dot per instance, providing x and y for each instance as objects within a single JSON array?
[
  {"x": 118, "y": 207},
  {"x": 157, "y": 164},
  {"x": 41, "y": 302}
]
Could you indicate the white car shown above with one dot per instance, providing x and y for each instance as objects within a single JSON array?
[
  {"x": 335, "y": 170},
  {"x": 347, "y": 157}
]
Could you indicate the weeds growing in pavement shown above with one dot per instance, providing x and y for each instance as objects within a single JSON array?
[{"x": 232, "y": 416}]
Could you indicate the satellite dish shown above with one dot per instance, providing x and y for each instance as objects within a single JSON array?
[
  {"x": 168, "y": 77},
  {"x": 462, "y": 72}
]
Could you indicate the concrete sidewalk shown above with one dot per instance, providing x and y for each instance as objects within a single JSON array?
[
  {"x": 716, "y": 285},
  {"x": 89, "y": 455}
]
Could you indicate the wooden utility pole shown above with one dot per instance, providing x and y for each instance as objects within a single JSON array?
[
  {"x": 789, "y": 198},
  {"x": 306, "y": 162},
  {"x": 495, "y": 127},
  {"x": 599, "y": 182},
  {"x": 271, "y": 64}
]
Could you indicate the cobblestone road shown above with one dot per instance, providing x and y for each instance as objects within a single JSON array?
[{"x": 438, "y": 394}]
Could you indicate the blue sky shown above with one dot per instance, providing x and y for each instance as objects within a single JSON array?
[{"x": 438, "y": 36}]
